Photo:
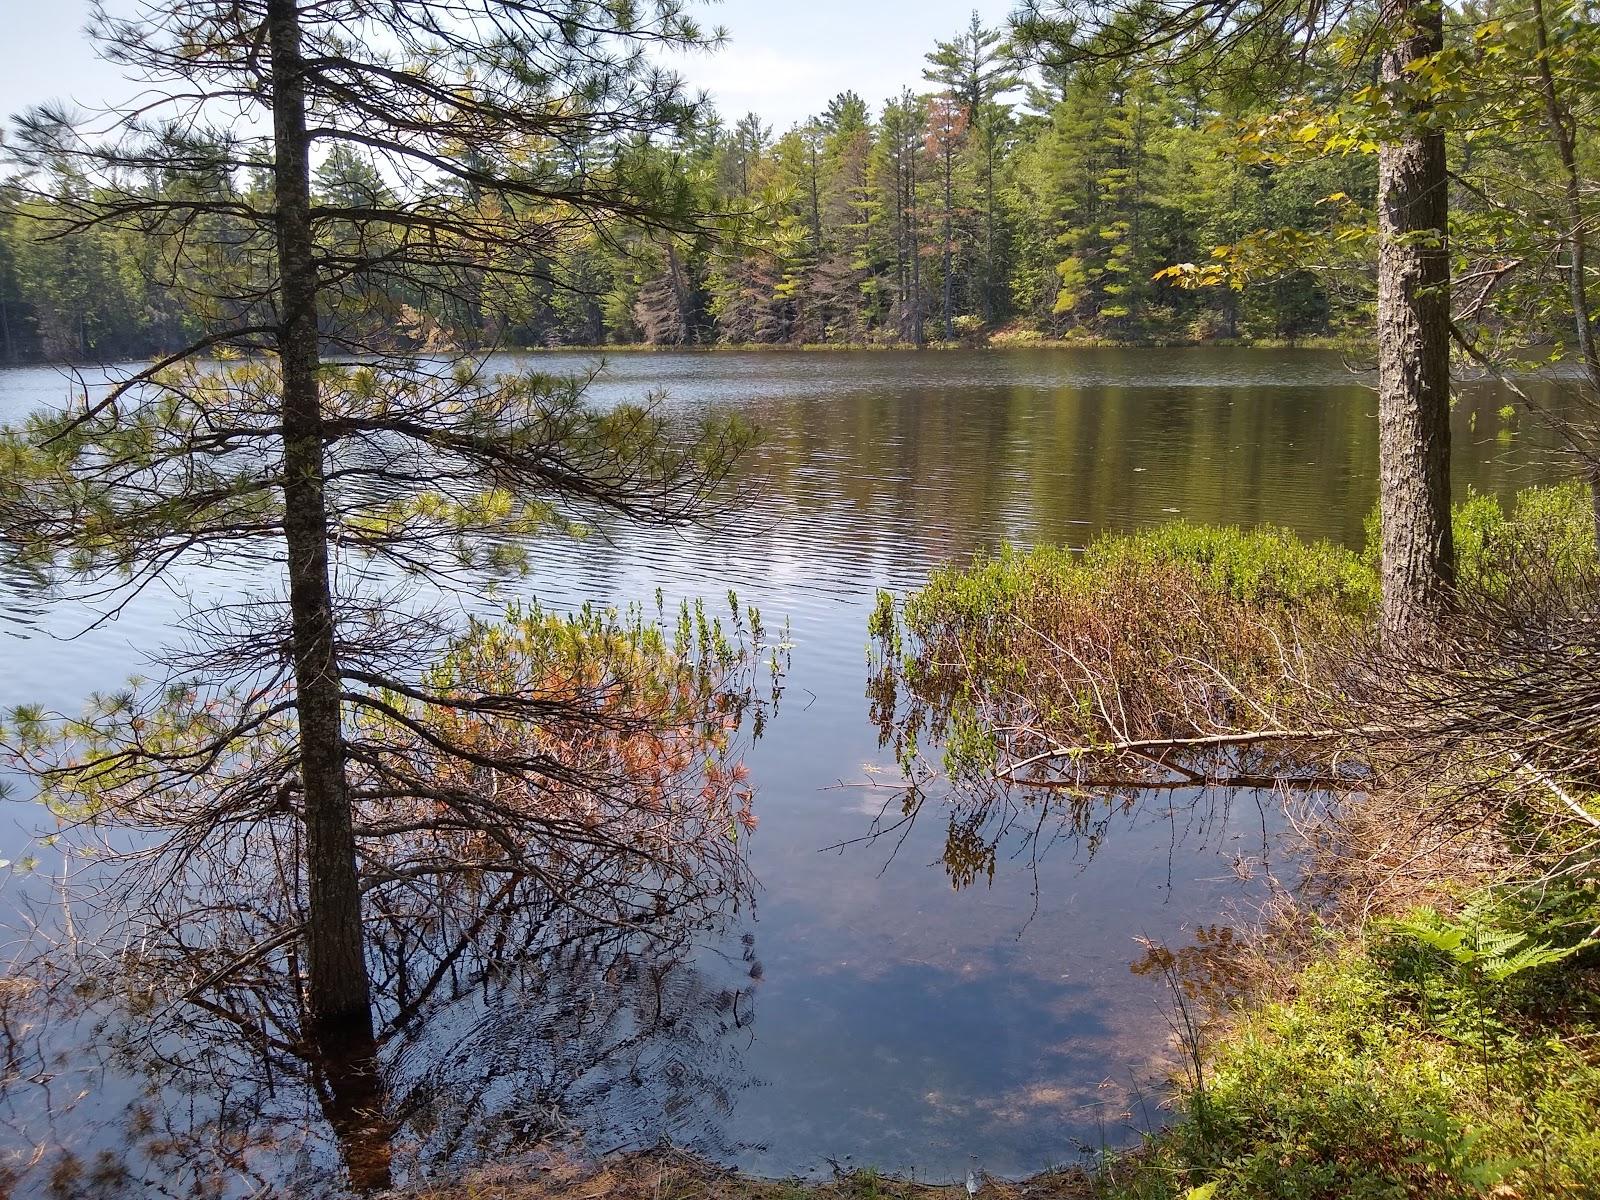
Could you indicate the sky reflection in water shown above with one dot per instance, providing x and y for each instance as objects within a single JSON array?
[{"x": 869, "y": 1012}]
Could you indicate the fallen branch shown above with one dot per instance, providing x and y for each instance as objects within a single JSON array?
[
  {"x": 1216, "y": 741},
  {"x": 1556, "y": 790}
]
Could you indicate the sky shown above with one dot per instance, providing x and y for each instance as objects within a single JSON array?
[{"x": 785, "y": 58}]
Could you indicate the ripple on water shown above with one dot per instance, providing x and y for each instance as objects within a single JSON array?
[{"x": 894, "y": 1021}]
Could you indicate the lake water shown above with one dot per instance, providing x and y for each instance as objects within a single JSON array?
[{"x": 879, "y": 1017}]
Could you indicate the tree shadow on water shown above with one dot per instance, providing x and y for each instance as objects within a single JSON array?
[{"x": 512, "y": 1027}]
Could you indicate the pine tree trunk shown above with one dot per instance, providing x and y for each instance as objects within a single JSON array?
[
  {"x": 1560, "y": 125},
  {"x": 1418, "y": 553},
  {"x": 949, "y": 234},
  {"x": 988, "y": 208},
  {"x": 916, "y": 252},
  {"x": 680, "y": 297},
  {"x": 816, "y": 207},
  {"x": 338, "y": 993}
]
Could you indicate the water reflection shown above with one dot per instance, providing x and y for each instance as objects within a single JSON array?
[
  {"x": 517, "y": 1029},
  {"x": 903, "y": 1024}
]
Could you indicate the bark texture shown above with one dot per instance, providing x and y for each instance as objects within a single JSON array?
[
  {"x": 337, "y": 993},
  {"x": 1418, "y": 552},
  {"x": 1562, "y": 127}
]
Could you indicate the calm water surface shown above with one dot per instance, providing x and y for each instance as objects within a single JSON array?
[{"x": 879, "y": 1016}]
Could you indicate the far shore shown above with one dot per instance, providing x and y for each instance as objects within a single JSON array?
[
  {"x": 1320, "y": 342},
  {"x": 1001, "y": 343}
]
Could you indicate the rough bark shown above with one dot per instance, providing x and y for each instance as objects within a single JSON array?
[
  {"x": 1418, "y": 553},
  {"x": 337, "y": 992},
  {"x": 1561, "y": 126}
]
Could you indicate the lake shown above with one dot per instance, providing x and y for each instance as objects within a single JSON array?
[{"x": 866, "y": 1012}]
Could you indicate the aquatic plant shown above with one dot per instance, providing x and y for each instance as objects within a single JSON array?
[{"x": 1187, "y": 658}]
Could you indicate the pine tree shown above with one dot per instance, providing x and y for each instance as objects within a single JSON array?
[
  {"x": 308, "y": 709},
  {"x": 976, "y": 68}
]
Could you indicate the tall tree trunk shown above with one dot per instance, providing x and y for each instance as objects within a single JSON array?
[
  {"x": 949, "y": 235},
  {"x": 1561, "y": 125},
  {"x": 680, "y": 296},
  {"x": 990, "y": 136},
  {"x": 901, "y": 266},
  {"x": 916, "y": 249},
  {"x": 1418, "y": 552},
  {"x": 338, "y": 993},
  {"x": 816, "y": 205}
]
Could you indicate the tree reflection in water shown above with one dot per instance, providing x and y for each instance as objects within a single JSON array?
[
  {"x": 508, "y": 1024},
  {"x": 532, "y": 914}
]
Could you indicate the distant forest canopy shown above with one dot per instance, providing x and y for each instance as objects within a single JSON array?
[{"x": 1037, "y": 207}]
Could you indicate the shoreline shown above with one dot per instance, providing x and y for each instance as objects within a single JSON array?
[
  {"x": 998, "y": 345},
  {"x": 670, "y": 1174}
]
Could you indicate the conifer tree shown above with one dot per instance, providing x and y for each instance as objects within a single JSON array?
[
  {"x": 976, "y": 67},
  {"x": 464, "y": 147}
]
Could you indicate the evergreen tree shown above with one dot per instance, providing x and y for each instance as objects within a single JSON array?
[
  {"x": 976, "y": 68},
  {"x": 307, "y": 722}
]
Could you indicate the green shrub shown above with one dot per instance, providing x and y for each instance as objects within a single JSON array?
[
  {"x": 1254, "y": 566},
  {"x": 1369, "y": 1082},
  {"x": 1547, "y": 529}
]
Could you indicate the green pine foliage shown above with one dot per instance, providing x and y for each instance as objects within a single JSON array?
[{"x": 1045, "y": 212}]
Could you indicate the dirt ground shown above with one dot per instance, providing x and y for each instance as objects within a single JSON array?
[{"x": 669, "y": 1175}]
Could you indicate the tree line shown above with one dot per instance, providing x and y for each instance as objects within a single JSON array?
[
  {"x": 1038, "y": 201},
  {"x": 1014, "y": 195},
  {"x": 318, "y": 179}
]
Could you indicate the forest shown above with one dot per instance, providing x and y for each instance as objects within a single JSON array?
[
  {"x": 448, "y": 771},
  {"x": 998, "y": 197}
]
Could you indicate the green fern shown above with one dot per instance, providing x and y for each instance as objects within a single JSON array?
[
  {"x": 1486, "y": 952},
  {"x": 1477, "y": 943}
]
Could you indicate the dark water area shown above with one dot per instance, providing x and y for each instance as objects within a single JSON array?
[{"x": 866, "y": 1012}]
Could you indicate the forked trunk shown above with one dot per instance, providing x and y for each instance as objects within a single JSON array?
[{"x": 1418, "y": 552}]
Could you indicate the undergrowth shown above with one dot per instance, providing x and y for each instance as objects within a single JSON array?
[
  {"x": 1453, "y": 1051},
  {"x": 1432, "y": 1056}
]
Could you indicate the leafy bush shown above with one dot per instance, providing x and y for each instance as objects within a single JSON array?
[
  {"x": 1358, "y": 1086},
  {"x": 1547, "y": 530}
]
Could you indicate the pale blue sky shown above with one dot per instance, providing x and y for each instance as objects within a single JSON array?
[{"x": 786, "y": 58}]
